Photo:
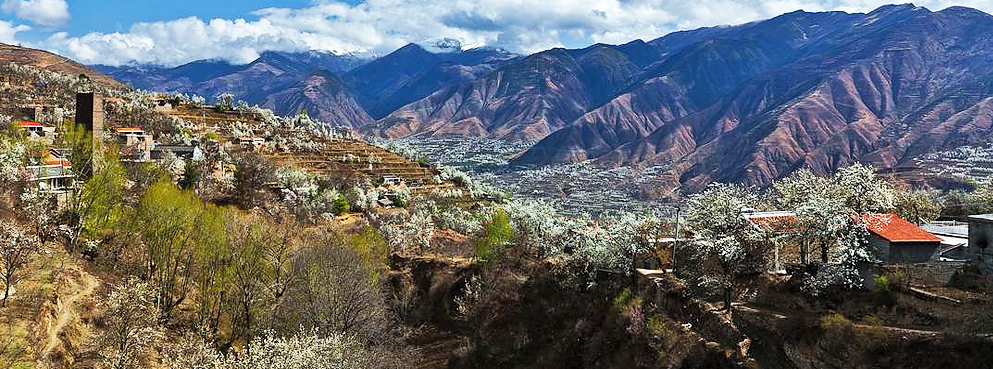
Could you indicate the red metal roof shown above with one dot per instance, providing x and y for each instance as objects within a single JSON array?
[
  {"x": 28, "y": 123},
  {"x": 896, "y": 229}
]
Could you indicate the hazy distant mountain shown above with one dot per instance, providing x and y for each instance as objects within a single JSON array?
[
  {"x": 412, "y": 73},
  {"x": 250, "y": 82}
]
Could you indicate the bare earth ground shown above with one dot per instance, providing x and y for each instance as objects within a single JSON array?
[{"x": 86, "y": 284}]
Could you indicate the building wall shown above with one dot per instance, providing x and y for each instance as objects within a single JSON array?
[
  {"x": 880, "y": 247},
  {"x": 902, "y": 252},
  {"x": 912, "y": 252},
  {"x": 980, "y": 247}
]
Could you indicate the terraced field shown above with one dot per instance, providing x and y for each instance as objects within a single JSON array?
[
  {"x": 342, "y": 157},
  {"x": 348, "y": 156},
  {"x": 208, "y": 117}
]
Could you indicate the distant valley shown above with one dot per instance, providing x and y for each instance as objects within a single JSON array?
[{"x": 747, "y": 103}]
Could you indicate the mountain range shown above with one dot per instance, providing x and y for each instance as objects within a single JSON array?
[{"x": 747, "y": 103}]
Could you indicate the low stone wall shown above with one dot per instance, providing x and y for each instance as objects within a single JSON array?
[{"x": 932, "y": 273}]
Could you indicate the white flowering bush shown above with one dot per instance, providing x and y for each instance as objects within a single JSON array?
[
  {"x": 132, "y": 330},
  {"x": 403, "y": 196},
  {"x": 409, "y": 233},
  {"x": 537, "y": 226},
  {"x": 301, "y": 193},
  {"x": 303, "y": 350},
  {"x": 13, "y": 157},
  {"x": 445, "y": 193},
  {"x": 39, "y": 206},
  {"x": 173, "y": 165},
  {"x": 364, "y": 198},
  {"x": 459, "y": 220}
]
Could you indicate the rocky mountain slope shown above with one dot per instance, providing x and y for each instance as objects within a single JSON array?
[
  {"x": 48, "y": 61},
  {"x": 820, "y": 90},
  {"x": 323, "y": 96},
  {"x": 527, "y": 98},
  {"x": 748, "y": 103},
  {"x": 412, "y": 73}
]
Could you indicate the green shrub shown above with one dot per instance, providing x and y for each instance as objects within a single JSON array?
[
  {"x": 835, "y": 322},
  {"x": 884, "y": 291},
  {"x": 191, "y": 175},
  {"x": 625, "y": 301},
  {"x": 496, "y": 233},
  {"x": 882, "y": 284},
  {"x": 340, "y": 205},
  {"x": 656, "y": 325}
]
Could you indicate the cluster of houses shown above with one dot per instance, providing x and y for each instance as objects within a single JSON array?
[
  {"x": 934, "y": 252},
  {"x": 54, "y": 173}
]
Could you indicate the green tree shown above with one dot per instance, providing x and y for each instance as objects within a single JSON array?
[
  {"x": 341, "y": 205},
  {"x": 179, "y": 233},
  {"x": 496, "y": 233},
  {"x": 99, "y": 207},
  {"x": 190, "y": 177},
  {"x": 372, "y": 248},
  {"x": 917, "y": 206}
]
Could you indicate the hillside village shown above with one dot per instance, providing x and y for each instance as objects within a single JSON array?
[{"x": 151, "y": 230}]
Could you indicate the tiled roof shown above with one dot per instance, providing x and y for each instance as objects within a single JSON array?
[{"x": 896, "y": 229}]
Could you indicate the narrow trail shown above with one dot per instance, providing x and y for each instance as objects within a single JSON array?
[
  {"x": 745, "y": 307},
  {"x": 67, "y": 311}
]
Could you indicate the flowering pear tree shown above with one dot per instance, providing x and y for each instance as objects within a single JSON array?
[
  {"x": 131, "y": 329},
  {"x": 537, "y": 226},
  {"x": 305, "y": 349},
  {"x": 832, "y": 213},
  {"x": 16, "y": 249},
  {"x": 727, "y": 244}
]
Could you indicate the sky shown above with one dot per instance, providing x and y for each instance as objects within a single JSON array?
[{"x": 119, "y": 32}]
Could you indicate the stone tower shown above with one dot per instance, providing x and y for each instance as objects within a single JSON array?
[{"x": 89, "y": 114}]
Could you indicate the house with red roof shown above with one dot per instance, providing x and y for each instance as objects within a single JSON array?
[
  {"x": 32, "y": 127},
  {"x": 135, "y": 144},
  {"x": 897, "y": 241}
]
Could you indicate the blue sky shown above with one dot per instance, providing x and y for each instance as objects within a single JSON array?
[{"x": 173, "y": 32}]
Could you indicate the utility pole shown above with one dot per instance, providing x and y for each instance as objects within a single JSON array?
[{"x": 675, "y": 241}]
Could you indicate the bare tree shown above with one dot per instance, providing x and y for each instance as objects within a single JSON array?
[
  {"x": 260, "y": 270},
  {"x": 16, "y": 249},
  {"x": 334, "y": 289},
  {"x": 253, "y": 172}
]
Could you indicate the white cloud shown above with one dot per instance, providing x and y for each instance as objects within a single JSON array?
[
  {"x": 382, "y": 26},
  {"x": 8, "y": 30},
  {"x": 49, "y": 13}
]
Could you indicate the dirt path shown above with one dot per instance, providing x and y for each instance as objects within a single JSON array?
[
  {"x": 745, "y": 307},
  {"x": 67, "y": 310}
]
